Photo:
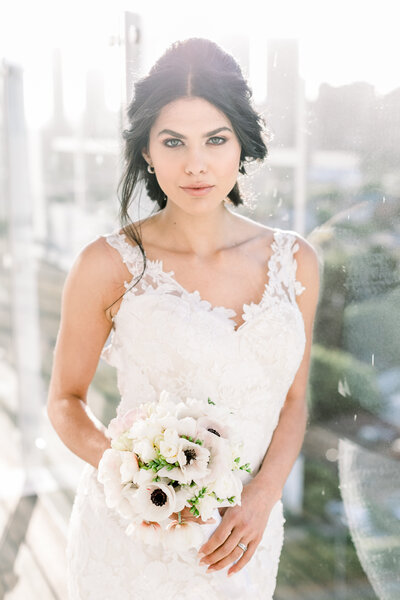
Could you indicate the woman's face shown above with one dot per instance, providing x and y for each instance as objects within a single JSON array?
[{"x": 199, "y": 148}]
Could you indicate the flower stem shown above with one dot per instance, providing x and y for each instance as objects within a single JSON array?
[{"x": 179, "y": 517}]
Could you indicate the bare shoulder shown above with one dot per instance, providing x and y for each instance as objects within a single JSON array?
[
  {"x": 306, "y": 251},
  {"x": 308, "y": 265},
  {"x": 97, "y": 273},
  {"x": 95, "y": 258},
  {"x": 252, "y": 230}
]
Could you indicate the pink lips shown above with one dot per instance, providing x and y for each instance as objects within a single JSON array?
[{"x": 198, "y": 191}]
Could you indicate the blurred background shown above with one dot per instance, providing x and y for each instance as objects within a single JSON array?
[{"x": 325, "y": 77}]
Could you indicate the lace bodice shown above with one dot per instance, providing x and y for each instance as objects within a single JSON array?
[{"x": 165, "y": 337}]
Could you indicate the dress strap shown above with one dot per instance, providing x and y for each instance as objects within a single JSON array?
[
  {"x": 284, "y": 266},
  {"x": 129, "y": 253}
]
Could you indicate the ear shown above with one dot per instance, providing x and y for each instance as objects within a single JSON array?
[{"x": 145, "y": 155}]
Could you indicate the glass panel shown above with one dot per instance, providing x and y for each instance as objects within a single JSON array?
[{"x": 331, "y": 175}]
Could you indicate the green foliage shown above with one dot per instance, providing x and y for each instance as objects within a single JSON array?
[
  {"x": 373, "y": 327},
  {"x": 370, "y": 273},
  {"x": 329, "y": 317},
  {"x": 340, "y": 383},
  {"x": 320, "y": 485},
  {"x": 160, "y": 462},
  {"x": 195, "y": 500},
  {"x": 313, "y": 552},
  {"x": 191, "y": 439},
  {"x": 313, "y": 560}
]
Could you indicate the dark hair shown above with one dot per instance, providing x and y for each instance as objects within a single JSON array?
[{"x": 195, "y": 67}]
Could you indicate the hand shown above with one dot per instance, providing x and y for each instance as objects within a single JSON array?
[
  {"x": 245, "y": 523},
  {"x": 186, "y": 515}
]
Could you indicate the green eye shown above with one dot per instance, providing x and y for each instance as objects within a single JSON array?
[
  {"x": 217, "y": 137},
  {"x": 169, "y": 142}
]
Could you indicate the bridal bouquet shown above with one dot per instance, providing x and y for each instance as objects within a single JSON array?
[{"x": 168, "y": 455}]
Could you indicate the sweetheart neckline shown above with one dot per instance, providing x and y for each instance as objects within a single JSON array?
[{"x": 229, "y": 312}]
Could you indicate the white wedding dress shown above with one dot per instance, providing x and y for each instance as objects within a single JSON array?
[{"x": 165, "y": 337}]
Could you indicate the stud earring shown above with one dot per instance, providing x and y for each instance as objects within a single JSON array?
[{"x": 149, "y": 168}]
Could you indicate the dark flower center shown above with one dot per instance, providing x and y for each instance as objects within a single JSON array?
[
  {"x": 190, "y": 454},
  {"x": 158, "y": 497},
  {"x": 213, "y": 431}
]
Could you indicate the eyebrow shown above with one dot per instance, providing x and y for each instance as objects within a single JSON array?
[{"x": 183, "y": 137}]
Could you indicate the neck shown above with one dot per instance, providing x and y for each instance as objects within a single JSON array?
[{"x": 202, "y": 235}]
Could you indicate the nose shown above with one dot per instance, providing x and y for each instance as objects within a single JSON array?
[{"x": 195, "y": 163}]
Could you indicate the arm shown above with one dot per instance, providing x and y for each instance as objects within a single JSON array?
[
  {"x": 83, "y": 330},
  {"x": 246, "y": 523},
  {"x": 288, "y": 436}
]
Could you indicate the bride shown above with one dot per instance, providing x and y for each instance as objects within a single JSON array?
[{"x": 198, "y": 300}]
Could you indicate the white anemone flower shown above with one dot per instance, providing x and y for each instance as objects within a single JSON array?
[
  {"x": 108, "y": 474},
  {"x": 149, "y": 532},
  {"x": 220, "y": 456},
  {"x": 127, "y": 504},
  {"x": 181, "y": 536},
  {"x": 143, "y": 476},
  {"x": 213, "y": 426},
  {"x": 176, "y": 474},
  {"x": 117, "y": 495},
  {"x": 192, "y": 407},
  {"x": 182, "y": 495},
  {"x": 129, "y": 466},
  {"x": 155, "y": 501},
  {"x": 193, "y": 460},
  {"x": 187, "y": 426}
]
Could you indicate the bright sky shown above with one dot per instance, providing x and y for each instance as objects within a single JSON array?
[{"x": 340, "y": 42}]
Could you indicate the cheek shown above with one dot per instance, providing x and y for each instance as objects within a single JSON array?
[
  {"x": 167, "y": 173},
  {"x": 230, "y": 159}
]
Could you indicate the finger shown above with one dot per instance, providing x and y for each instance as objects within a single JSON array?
[
  {"x": 217, "y": 538},
  {"x": 225, "y": 550},
  {"x": 251, "y": 548},
  {"x": 233, "y": 556}
]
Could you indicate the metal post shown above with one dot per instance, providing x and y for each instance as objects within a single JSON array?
[
  {"x": 24, "y": 300},
  {"x": 301, "y": 161}
]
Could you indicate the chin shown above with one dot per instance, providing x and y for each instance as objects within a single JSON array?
[{"x": 196, "y": 205}]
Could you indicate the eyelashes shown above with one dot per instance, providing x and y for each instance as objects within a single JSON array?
[{"x": 215, "y": 137}]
